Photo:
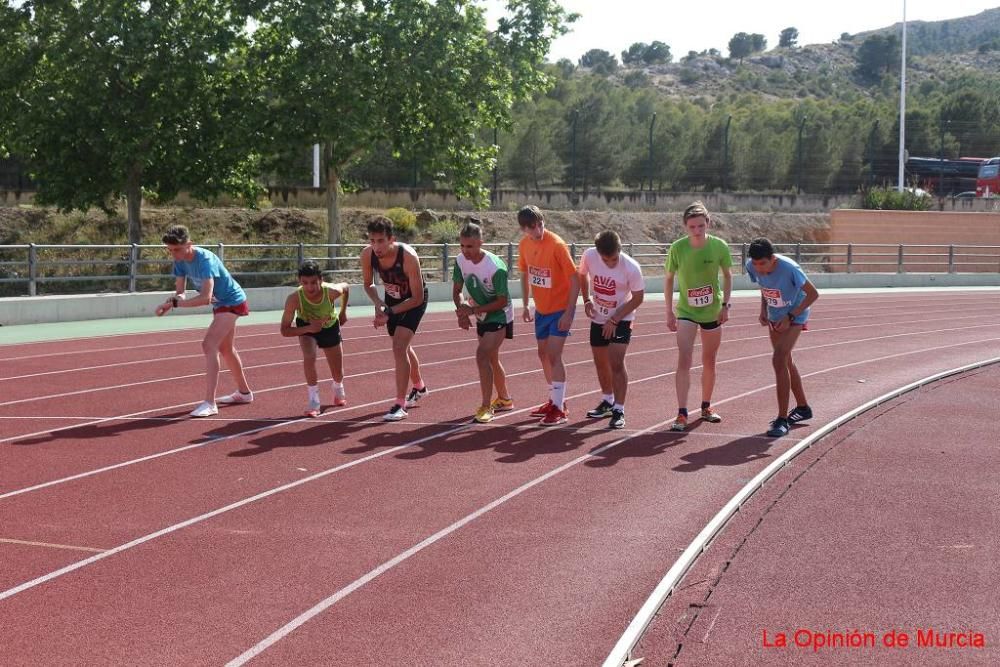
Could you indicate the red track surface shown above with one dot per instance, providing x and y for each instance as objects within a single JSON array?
[
  {"x": 202, "y": 538},
  {"x": 889, "y": 524}
]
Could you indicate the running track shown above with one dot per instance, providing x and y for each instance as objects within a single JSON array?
[{"x": 132, "y": 534}]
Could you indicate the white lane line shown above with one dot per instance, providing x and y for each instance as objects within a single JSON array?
[
  {"x": 867, "y": 324},
  {"x": 279, "y": 424},
  {"x": 265, "y": 494},
  {"x": 49, "y": 545},
  {"x": 328, "y": 602}
]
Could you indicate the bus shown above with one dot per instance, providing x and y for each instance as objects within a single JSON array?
[
  {"x": 944, "y": 177},
  {"x": 988, "y": 180}
]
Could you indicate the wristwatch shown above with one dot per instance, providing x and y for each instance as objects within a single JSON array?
[
  {"x": 173, "y": 301},
  {"x": 387, "y": 310},
  {"x": 726, "y": 304}
]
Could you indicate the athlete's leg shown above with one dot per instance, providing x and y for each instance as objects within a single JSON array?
[
  {"x": 603, "y": 366},
  {"x": 219, "y": 339},
  {"x": 543, "y": 357},
  {"x": 308, "y": 347},
  {"x": 686, "y": 333},
  {"x": 486, "y": 353},
  {"x": 781, "y": 360},
  {"x": 335, "y": 360},
  {"x": 710, "y": 341},
  {"x": 619, "y": 373},
  {"x": 401, "y": 352}
]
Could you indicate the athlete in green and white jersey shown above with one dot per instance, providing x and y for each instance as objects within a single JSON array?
[
  {"x": 484, "y": 276},
  {"x": 703, "y": 303}
]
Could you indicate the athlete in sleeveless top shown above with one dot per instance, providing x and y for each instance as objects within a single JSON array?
[
  {"x": 311, "y": 314},
  {"x": 401, "y": 308}
]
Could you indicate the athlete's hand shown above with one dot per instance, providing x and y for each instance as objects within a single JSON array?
[
  {"x": 671, "y": 321},
  {"x": 782, "y": 325},
  {"x": 342, "y": 318},
  {"x": 566, "y": 321},
  {"x": 588, "y": 309},
  {"x": 380, "y": 320},
  {"x": 464, "y": 322},
  {"x": 526, "y": 315},
  {"x": 763, "y": 320},
  {"x": 723, "y": 315},
  {"x": 163, "y": 308},
  {"x": 464, "y": 309},
  {"x": 608, "y": 329},
  {"x": 315, "y": 326}
]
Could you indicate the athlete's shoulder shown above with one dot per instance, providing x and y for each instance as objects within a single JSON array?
[{"x": 553, "y": 238}]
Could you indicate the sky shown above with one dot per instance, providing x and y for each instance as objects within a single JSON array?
[{"x": 698, "y": 25}]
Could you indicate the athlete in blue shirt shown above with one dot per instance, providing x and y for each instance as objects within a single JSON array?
[
  {"x": 215, "y": 287},
  {"x": 785, "y": 296}
]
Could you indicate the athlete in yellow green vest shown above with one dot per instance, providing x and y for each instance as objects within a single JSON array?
[{"x": 311, "y": 313}]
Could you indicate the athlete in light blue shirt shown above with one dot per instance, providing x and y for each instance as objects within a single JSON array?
[
  {"x": 206, "y": 264},
  {"x": 785, "y": 297},
  {"x": 782, "y": 288}
]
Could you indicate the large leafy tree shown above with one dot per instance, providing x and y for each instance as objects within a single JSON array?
[
  {"x": 106, "y": 98},
  {"x": 420, "y": 76}
]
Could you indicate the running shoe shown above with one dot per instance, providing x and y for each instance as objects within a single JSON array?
[
  {"x": 313, "y": 408},
  {"x": 779, "y": 427},
  {"x": 502, "y": 404},
  {"x": 602, "y": 410},
  {"x": 395, "y": 414},
  {"x": 554, "y": 417},
  {"x": 339, "y": 397},
  {"x": 205, "y": 409},
  {"x": 711, "y": 416},
  {"x": 617, "y": 419},
  {"x": 801, "y": 413},
  {"x": 542, "y": 410},
  {"x": 484, "y": 415},
  {"x": 680, "y": 423},
  {"x": 237, "y": 398},
  {"x": 414, "y": 396}
]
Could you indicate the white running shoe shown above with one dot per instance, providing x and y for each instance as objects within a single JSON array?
[
  {"x": 205, "y": 409},
  {"x": 236, "y": 398},
  {"x": 313, "y": 409},
  {"x": 339, "y": 396},
  {"x": 414, "y": 396},
  {"x": 396, "y": 413}
]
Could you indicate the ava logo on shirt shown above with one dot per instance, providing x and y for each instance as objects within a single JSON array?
[{"x": 604, "y": 285}]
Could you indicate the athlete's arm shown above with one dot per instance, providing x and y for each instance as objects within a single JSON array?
[
  {"x": 811, "y": 295},
  {"x": 204, "y": 296},
  {"x": 727, "y": 290},
  {"x": 288, "y": 328},
  {"x": 628, "y": 306},
  {"x": 368, "y": 279},
  {"x": 668, "y": 299}
]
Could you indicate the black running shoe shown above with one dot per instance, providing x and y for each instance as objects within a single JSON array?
[
  {"x": 617, "y": 419},
  {"x": 396, "y": 413},
  {"x": 779, "y": 427},
  {"x": 801, "y": 413},
  {"x": 602, "y": 410},
  {"x": 414, "y": 396}
]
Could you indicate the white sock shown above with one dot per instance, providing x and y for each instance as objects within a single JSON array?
[
  {"x": 558, "y": 394},
  {"x": 619, "y": 406},
  {"x": 313, "y": 392},
  {"x": 609, "y": 398},
  {"x": 338, "y": 387}
]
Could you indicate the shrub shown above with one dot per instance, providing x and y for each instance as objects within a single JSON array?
[
  {"x": 443, "y": 231},
  {"x": 890, "y": 199},
  {"x": 404, "y": 222}
]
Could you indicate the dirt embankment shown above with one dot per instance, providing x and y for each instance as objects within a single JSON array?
[{"x": 280, "y": 225}]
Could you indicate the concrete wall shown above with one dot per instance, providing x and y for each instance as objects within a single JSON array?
[
  {"x": 33, "y": 310},
  {"x": 936, "y": 229}
]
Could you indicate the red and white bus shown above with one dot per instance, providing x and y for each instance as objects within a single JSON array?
[{"x": 988, "y": 181}]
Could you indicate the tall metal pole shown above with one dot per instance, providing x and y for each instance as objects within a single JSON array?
[
  {"x": 902, "y": 106},
  {"x": 798, "y": 184},
  {"x": 725, "y": 155},
  {"x": 652, "y": 121},
  {"x": 576, "y": 114},
  {"x": 495, "y": 196}
]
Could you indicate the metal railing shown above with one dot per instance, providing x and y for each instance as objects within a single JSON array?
[{"x": 66, "y": 269}]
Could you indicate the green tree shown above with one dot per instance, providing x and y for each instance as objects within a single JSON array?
[
  {"x": 789, "y": 38},
  {"x": 657, "y": 53},
  {"x": 634, "y": 53},
  {"x": 876, "y": 56},
  {"x": 740, "y": 46},
  {"x": 110, "y": 97},
  {"x": 533, "y": 161},
  {"x": 418, "y": 75},
  {"x": 599, "y": 61}
]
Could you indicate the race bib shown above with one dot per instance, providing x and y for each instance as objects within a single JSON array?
[
  {"x": 700, "y": 297},
  {"x": 604, "y": 307},
  {"x": 393, "y": 290},
  {"x": 773, "y": 297},
  {"x": 540, "y": 277}
]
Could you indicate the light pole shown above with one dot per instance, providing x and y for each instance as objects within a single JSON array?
[
  {"x": 798, "y": 185},
  {"x": 652, "y": 121},
  {"x": 902, "y": 106},
  {"x": 576, "y": 114}
]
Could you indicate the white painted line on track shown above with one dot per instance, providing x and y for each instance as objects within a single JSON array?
[
  {"x": 328, "y": 602},
  {"x": 49, "y": 545}
]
